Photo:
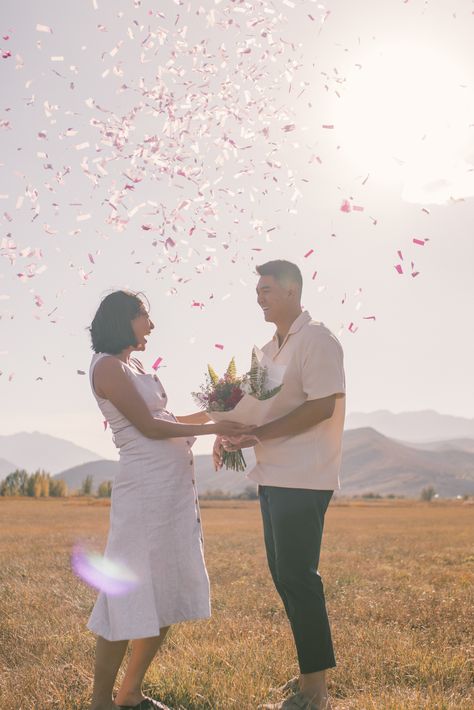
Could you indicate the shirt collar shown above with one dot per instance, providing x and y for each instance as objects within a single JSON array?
[{"x": 303, "y": 318}]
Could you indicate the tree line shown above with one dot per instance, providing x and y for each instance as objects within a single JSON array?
[{"x": 40, "y": 485}]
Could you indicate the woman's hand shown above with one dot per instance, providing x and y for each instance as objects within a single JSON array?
[
  {"x": 231, "y": 429},
  {"x": 217, "y": 453}
]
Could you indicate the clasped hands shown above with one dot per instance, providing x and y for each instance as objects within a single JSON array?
[{"x": 232, "y": 443}]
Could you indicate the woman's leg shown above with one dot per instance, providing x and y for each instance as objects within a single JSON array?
[
  {"x": 143, "y": 652},
  {"x": 108, "y": 658}
]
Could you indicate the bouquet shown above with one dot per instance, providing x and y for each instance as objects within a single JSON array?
[{"x": 245, "y": 399}]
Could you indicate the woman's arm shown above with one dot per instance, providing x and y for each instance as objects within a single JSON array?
[
  {"x": 195, "y": 418},
  {"x": 112, "y": 382}
]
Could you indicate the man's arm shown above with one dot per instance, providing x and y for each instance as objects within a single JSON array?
[{"x": 303, "y": 417}]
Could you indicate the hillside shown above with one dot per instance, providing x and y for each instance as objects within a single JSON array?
[
  {"x": 372, "y": 462},
  {"x": 33, "y": 450},
  {"x": 419, "y": 426}
]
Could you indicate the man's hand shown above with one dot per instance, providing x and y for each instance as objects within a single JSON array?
[{"x": 235, "y": 443}]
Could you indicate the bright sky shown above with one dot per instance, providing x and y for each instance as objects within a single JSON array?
[{"x": 172, "y": 150}]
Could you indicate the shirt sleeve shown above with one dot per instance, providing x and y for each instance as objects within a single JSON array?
[{"x": 323, "y": 367}]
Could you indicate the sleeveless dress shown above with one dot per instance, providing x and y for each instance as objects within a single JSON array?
[{"x": 155, "y": 526}]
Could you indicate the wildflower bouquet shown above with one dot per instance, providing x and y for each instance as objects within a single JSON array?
[{"x": 239, "y": 398}]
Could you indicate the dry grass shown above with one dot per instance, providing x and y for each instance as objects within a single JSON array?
[{"x": 398, "y": 580}]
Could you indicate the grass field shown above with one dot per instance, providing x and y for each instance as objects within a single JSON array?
[{"x": 399, "y": 585}]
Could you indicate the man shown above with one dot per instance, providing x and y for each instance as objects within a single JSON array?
[{"x": 297, "y": 466}]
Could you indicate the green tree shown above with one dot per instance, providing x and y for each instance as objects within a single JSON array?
[
  {"x": 15, "y": 484},
  {"x": 57, "y": 488},
  {"x": 428, "y": 494},
  {"x": 105, "y": 489},
  {"x": 86, "y": 488}
]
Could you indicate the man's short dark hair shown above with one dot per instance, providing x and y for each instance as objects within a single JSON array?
[
  {"x": 283, "y": 271},
  {"x": 111, "y": 329}
]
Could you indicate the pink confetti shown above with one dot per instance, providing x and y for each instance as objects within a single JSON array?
[
  {"x": 353, "y": 328},
  {"x": 157, "y": 363},
  {"x": 399, "y": 269},
  {"x": 328, "y": 125},
  {"x": 106, "y": 424},
  {"x": 39, "y": 301},
  {"x": 315, "y": 273},
  {"x": 369, "y": 318},
  {"x": 421, "y": 242},
  {"x": 400, "y": 255},
  {"x": 308, "y": 253},
  {"x": 358, "y": 208},
  {"x": 346, "y": 206},
  {"x": 91, "y": 258},
  {"x": 219, "y": 346}
]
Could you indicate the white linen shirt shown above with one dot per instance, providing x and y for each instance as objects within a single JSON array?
[{"x": 314, "y": 369}]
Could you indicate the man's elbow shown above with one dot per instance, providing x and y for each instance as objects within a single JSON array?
[{"x": 325, "y": 408}]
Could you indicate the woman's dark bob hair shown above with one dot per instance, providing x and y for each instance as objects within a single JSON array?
[{"x": 111, "y": 330}]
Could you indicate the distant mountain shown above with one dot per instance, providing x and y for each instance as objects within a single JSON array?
[
  {"x": 6, "y": 467},
  {"x": 414, "y": 426},
  {"x": 450, "y": 445},
  {"x": 34, "y": 450},
  {"x": 206, "y": 478},
  {"x": 372, "y": 462}
]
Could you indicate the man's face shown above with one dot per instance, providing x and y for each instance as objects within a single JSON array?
[{"x": 273, "y": 298}]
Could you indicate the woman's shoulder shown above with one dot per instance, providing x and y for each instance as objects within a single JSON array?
[{"x": 137, "y": 364}]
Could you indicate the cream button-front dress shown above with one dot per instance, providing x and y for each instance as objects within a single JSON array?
[{"x": 155, "y": 526}]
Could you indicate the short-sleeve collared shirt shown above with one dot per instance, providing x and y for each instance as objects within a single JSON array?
[{"x": 314, "y": 369}]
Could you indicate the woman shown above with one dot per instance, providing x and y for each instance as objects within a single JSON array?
[{"x": 155, "y": 527}]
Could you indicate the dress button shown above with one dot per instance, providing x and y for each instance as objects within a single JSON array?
[
  {"x": 199, "y": 520},
  {"x": 193, "y": 481},
  {"x": 191, "y": 462}
]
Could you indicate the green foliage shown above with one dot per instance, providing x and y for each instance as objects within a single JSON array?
[
  {"x": 57, "y": 488},
  {"x": 15, "y": 484},
  {"x": 427, "y": 494},
  {"x": 105, "y": 489},
  {"x": 86, "y": 488}
]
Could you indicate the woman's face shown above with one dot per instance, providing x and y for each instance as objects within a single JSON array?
[{"x": 142, "y": 325}]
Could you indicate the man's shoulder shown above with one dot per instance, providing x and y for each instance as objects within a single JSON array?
[{"x": 317, "y": 330}]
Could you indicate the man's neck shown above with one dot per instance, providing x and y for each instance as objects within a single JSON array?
[{"x": 285, "y": 324}]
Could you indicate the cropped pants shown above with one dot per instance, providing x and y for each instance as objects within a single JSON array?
[{"x": 293, "y": 520}]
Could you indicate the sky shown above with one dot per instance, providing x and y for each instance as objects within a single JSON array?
[{"x": 171, "y": 147}]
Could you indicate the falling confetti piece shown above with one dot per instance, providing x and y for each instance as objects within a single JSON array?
[
  {"x": 157, "y": 363},
  {"x": 80, "y": 372},
  {"x": 346, "y": 206},
  {"x": 399, "y": 269},
  {"x": 219, "y": 346},
  {"x": 421, "y": 242},
  {"x": 308, "y": 253},
  {"x": 353, "y": 328},
  {"x": 109, "y": 576},
  {"x": 106, "y": 424}
]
